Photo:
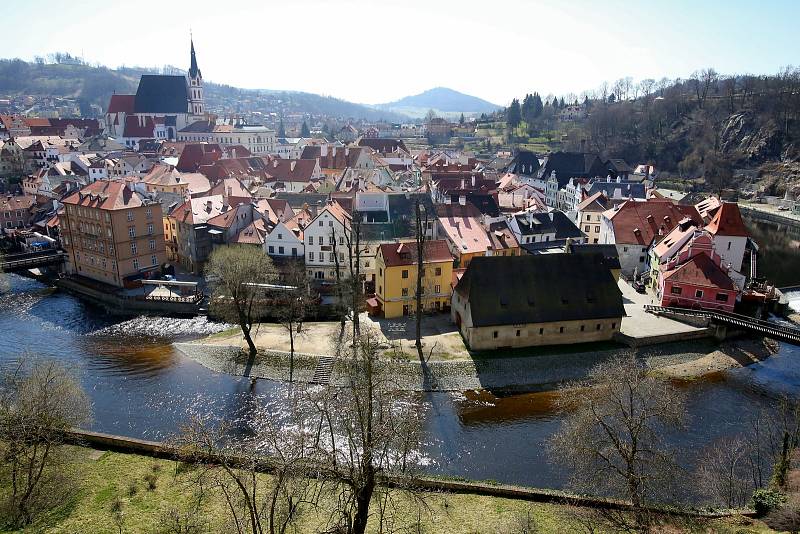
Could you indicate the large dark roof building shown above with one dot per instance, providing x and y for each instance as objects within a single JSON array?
[
  {"x": 504, "y": 301},
  {"x": 573, "y": 165},
  {"x": 159, "y": 93}
]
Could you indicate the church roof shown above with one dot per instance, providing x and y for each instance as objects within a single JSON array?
[
  {"x": 194, "y": 72},
  {"x": 159, "y": 93}
]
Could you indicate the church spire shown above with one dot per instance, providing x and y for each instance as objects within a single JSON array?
[{"x": 194, "y": 72}]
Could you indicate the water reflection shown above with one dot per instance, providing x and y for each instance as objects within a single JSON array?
[{"x": 142, "y": 388}]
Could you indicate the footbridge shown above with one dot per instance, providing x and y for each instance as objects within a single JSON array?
[
  {"x": 11, "y": 263},
  {"x": 789, "y": 334}
]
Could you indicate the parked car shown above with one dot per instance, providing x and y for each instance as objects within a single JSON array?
[{"x": 639, "y": 286}]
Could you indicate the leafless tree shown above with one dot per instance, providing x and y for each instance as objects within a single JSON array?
[
  {"x": 724, "y": 472},
  {"x": 38, "y": 402},
  {"x": 420, "y": 236},
  {"x": 233, "y": 465},
  {"x": 367, "y": 431},
  {"x": 294, "y": 301},
  {"x": 239, "y": 274},
  {"x": 612, "y": 435}
]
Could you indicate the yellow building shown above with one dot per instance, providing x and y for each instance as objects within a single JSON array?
[{"x": 396, "y": 278}]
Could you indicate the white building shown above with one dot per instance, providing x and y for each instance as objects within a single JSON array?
[{"x": 326, "y": 239}]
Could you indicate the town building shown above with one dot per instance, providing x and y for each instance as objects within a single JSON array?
[
  {"x": 327, "y": 239},
  {"x": 524, "y": 301},
  {"x": 538, "y": 232},
  {"x": 112, "y": 233},
  {"x": 589, "y": 215},
  {"x": 396, "y": 278},
  {"x": 16, "y": 211}
]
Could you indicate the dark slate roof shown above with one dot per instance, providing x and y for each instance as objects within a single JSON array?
[
  {"x": 506, "y": 290},
  {"x": 618, "y": 166},
  {"x": 573, "y": 165},
  {"x": 194, "y": 72},
  {"x": 525, "y": 162},
  {"x": 623, "y": 189},
  {"x": 486, "y": 204},
  {"x": 296, "y": 200},
  {"x": 159, "y": 93},
  {"x": 547, "y": 223},
  {"x": 608, "y": 253}
]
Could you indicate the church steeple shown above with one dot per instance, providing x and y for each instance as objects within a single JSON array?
[
  {"x": 196, "y": 103},
  {"x": 194, "y": 72}
]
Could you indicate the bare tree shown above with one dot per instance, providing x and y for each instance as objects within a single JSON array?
[
  {"x": 239, "y": 274},
  {"x": 367, "y": 431},
  {"x": 233, "y": 465},
  {"x": 294, "y": 301},
  {"x": 420, "y": 235},
  {"x": 724, "y": 472},
  {"x": 38, "y": 402},
  {"x": 612, "y": 436}
]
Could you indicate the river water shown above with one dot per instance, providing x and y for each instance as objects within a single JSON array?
[{"x": 143, "y": 388}]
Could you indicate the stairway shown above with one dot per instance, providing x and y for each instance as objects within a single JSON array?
[{"x": 322, "y": 373}]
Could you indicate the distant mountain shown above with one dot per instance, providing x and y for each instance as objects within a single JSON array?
[
  {"x": 443, "y": 101},
  {"x": 94, "y": 85}
]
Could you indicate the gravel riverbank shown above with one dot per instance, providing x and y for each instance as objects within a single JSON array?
[{"x": 515, "y": 373}]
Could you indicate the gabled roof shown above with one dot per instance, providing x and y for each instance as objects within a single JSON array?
[
  {"x": 253, "y": 234},
  {"x": 609, "y": 253},
  {"x": 107, "y": 195},
  {"x": 505, "y": 290},
  {"x": 121, "y": 104},
  {"x": 573, "y": 165},
  {"x": 231, "y": 188},
  {"x": 595, "y": 202},
  {"x": 728, "y": 221},
  {"x": 547, "y": 223},
  {"x": 638, "y": 222},
  {"x": 700, "y": 270},
  {"x": 466, "y": 234},
  {"x": 615, "y": 189},
  {"x": 396, "y": 254},
  {"x": 198, "y": 210},
  {"x": 383, "y": 146},
  {"x": 291, "y": 170},
  {"x": 158, "y": 93},
  {"x": 196, "y": 154},
  {"x": 138, "y": 127}
]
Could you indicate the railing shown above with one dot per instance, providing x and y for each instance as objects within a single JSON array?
[
  {"x": 33, "y": 259},
  {"x": 767, "y": 328}
]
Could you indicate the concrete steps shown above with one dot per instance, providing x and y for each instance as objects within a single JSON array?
[{"x": 322, "y": 372}]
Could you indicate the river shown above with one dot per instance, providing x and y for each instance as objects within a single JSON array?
[{"x": 141, "y": 387}]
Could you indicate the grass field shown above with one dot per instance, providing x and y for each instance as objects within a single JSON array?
[{"x": 143, "y": 490}]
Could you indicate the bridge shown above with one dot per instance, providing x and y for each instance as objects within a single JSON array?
[
  {"x": 789, "y": 334},
  {"x": 29, "y": 260}
]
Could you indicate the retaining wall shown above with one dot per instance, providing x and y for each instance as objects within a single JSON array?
[{"x": 117, "y": 305}]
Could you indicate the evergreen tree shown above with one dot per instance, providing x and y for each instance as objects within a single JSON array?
[
  {"x": 281, "y": 130},
  {"x": 304, "y": 131},
  {"x": 537, "y": 105},
  {"x": 561, "y": 103},
  {"x": 527, "y": 108},
  {"x": 611, "y": 98},
  {"x": 514, "y": 114}
]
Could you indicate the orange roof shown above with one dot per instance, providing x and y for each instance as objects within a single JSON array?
[
  {"x": 639, "y": 222},
  {"x": 395, "y": 254},
  {"x": 106, "y": 195},
  {"x": 728, "y": 221}
]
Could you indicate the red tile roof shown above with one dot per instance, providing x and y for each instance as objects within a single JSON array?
[
  {"x": 196, "y": 154},
  {"x": 291, "y": 170},
  {"x": 121, "y": 104},
  {"x": 135, "y": 128},
  {"x": 639, "y": 222},
  {"x": 106, "y": 195},
  {"x": 700, "y": 270},
  {"x": 728, "y": 221},
  {"x": 395, "y": 254}
]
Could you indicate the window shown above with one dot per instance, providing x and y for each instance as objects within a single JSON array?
[
  {"x": 133, "y": 248},
  {"x": 405, "y": 273},
  {"x": 698, "y": 294},
  {"x": 152, "y": 244},
  {"x": 438, "y": 271},
  {"x": 380, "y": 271},
  {"x": 135, "y": 265},
  {"x": 598, "y": 326},
  {"x": 517, "y": 333},
  {"x": 722, "y": 297},
  {"x": 597, "y": 229},
  {"x": 272, "y": 251},
  {"x": 341, "y": 256},
  {"x": 587, "y": 228},
  {"x": 311, "y": 240},
  {"x": 560, "y": 329},
  {"x": 153, "y": 260},
  {"x": 321, "y": 240},
  {"x": 613, "y": 326},
  {"x": 294, "y": 251},
  {"x": 131, "y": 231},
  {"x": 541, "y": 331},
  {"x": 494, "y": 334},
  {"x": 641, "y": 259},
  {"x": 437, "y": 289},
  {"x": 404, "y": 292},
  {"x": 280, "y": 236},
  {"x": 130, "y": 215},
  {"x": 331, "y": 257},
  {"x": 149, "y": 213},
  {"x": 583, "y": 327},
  {"x": 729, "y": 245},
  {"x": 330, "y": 224},
  {"x": 320, "y": 223},
  {"x": 280, "y": 250},
  {"x": 310, "y": 255},
  {"x": 331, "y": 240},
  {"x": 149, "y": 229},
  {"x": 676, "y": 290},
  {"x": 341, "y": 240}
]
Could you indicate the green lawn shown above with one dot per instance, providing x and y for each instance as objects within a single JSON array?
[{"x": 113, "y": 480}]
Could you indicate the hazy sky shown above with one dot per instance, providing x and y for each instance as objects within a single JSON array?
[{"x": 378, "y": 51}]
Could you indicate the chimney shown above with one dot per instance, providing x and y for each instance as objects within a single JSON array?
[
  {"x": 229, "y": 191},
  {"x": 608, "y": 178},
  {"x": 463, "y": 183},
  {"x": 473, "y": 180},
  {"x": 292, "y": 165},
  {"x": 530, "y": 217},
  {"x": 619, "y": 179},
  {"x": 462, "y": 200}
]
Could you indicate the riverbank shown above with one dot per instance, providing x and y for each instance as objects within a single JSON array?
[
  {"x": 148, "y": 491},
  {"x": 539, "y": 369}
]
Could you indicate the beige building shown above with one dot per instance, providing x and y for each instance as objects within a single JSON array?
[
  {"x": 112, "y": 233},
  {"x": 545, "y": 299},
  {"x": 589, "y": 215}
]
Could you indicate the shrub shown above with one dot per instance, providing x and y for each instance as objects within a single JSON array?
[
  {"x": 151, "y": 479},
  {"x": 766, "y": 500}
]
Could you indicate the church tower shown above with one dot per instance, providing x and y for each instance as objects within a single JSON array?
[{"x": 196, "y": 103}]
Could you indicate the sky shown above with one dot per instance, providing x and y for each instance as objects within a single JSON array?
[{"x": 372, "y": 52}]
